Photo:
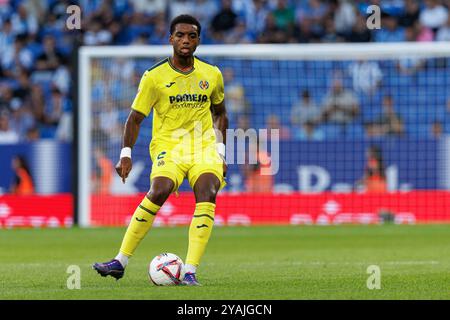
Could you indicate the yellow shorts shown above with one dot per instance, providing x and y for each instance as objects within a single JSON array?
[{"x": 176, "y": 165}]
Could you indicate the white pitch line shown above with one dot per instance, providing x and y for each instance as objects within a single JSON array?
[{"x": 338, "y": 263}]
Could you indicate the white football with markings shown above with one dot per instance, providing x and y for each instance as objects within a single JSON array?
[{"x": 166, "y": 269}]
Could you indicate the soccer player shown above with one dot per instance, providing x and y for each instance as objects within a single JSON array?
[{"x": 186, "y": 95}]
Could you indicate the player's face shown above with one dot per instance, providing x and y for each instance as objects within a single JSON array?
[{"x": 184, "y": 39}]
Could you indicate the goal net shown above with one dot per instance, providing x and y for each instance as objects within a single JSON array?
[{"x": 328, "y": 134}]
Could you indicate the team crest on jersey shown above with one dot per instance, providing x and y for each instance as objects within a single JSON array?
[
  {"x": 203, "y": 84},
  {"x": 161, "y": 163}
]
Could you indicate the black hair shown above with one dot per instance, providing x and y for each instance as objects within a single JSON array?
[{"x": 185, "y": 18}]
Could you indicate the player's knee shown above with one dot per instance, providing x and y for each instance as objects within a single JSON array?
[
  {"x": 158, "y": 196},
  {"x": 206, "y": 194},
  {"x": 159, "y": 193}
]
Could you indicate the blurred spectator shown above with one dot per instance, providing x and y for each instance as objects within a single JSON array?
[
  {"x": 374, "y": 179},
  {"x": 390, "y": 31},
  {"x": 16, "y": 57},
  {"x": 205, "y": 10},
  {"x": 423, "y": 34},
  {"x": 366, "y": 76},
  {"x": 37, "y": 102},
  {"x": 23, "y": 86},
  {"x": 61, "y": 78},
  {"x": 177, "y": 7},
  {"x": 96, "y": 34},
  {"x": 330, "y": 35},
  {"x": 410, "y": 64},
  {"x": 257, "y": 162},
  {"x": 103, "y": 173},
  {"x": 305, "y": 111},
  {"x": 23, "y": 180},
  {"x": 309, "y": 131},
  {"x": 6, "y": 98},
  {"x": 21, "y": 120},
  {"x": 24, "y": 22},
  {"x": 224, "y": 20},
  {"x": 6, "y": 37},
  {"x": 243, "y": 122},
  {"x": 436, "y": 130},
  {"x": 109, "y": 122},
  {"x": 37, "y": 9},
  {"x": 143, "y": 39},
  {"x": 411, "y": 13},
  {"x": 99, "y": 136},
  {"x": 272, "y": 33},
  {"x": 273, "y": 123},
  {"x": 341, "y": 105},
  {"x": 443, "y": 33},
  {"x": 284, "y": 15},
  {"x": 314, "y": 11},
  {"x": 344, "y": 17},
  {"x": 237, "y": 105},
  {"x": 388, "y": 123},
  {"x": 359, "y": 32},
  {"x": 434, "y": 15},
  {"x": 32, "y": 134},
  {"x": 256, "y": 17},
  {"x": 239, "y": 34},
  {"x": 51, "y": 57},
  {"x": 160, "y": 34},
  {"x": 149, "y": 7},
  {"x": 7, "y": 136}
]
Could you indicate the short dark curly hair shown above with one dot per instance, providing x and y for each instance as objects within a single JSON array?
[{"x": 185, "y": 18}]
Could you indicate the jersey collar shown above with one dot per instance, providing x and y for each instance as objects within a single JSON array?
[{"x": 178, "y": 70}]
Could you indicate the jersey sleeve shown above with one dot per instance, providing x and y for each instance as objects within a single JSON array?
[
  {"x": 218, "y": 94},
  {"x": 146, "y": 96}
]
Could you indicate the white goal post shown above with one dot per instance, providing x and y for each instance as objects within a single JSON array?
[{"x": 300, "y": 52}]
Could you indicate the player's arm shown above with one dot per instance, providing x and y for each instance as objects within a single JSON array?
[
  {"x": 220, "y": 119},
  {"x": 131, "y": 132},
  {"x": 141, "y": 107}
]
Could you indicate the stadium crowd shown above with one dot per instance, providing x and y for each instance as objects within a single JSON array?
[{"x": 36, "y": 48}]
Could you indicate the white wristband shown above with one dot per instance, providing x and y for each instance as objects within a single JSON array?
[
  {"x": 221, "y": 149},
  {"x": 125, "y": 152}
]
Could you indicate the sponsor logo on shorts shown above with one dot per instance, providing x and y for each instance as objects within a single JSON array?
[{"x": 161, "y": 155}]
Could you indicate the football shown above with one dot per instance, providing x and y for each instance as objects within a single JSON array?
[{"x": 166, "y": 269}]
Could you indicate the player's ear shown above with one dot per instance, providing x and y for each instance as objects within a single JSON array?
[{"x": 171, "y": 39}]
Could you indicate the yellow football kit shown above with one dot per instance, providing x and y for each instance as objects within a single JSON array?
[{"x": 183, "y": 137}]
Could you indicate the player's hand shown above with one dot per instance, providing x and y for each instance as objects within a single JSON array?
[{"x": 123, "y": 167}]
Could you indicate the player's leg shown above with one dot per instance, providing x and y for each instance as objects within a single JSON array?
[
  {"x": 205, "y": 189},
  {"x": 140, "y": 224},
  {"x": 142, "y": 219}
]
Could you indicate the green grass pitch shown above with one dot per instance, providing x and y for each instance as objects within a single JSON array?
[{"x": 286, "y": 262}]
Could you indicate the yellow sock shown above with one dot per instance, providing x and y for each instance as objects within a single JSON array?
[
  {"x": 140, "y": 223},
  {"x": 200, "y": 231}
]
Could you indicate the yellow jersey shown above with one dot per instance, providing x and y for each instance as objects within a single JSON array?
[{"x": 181, "y": 102}]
